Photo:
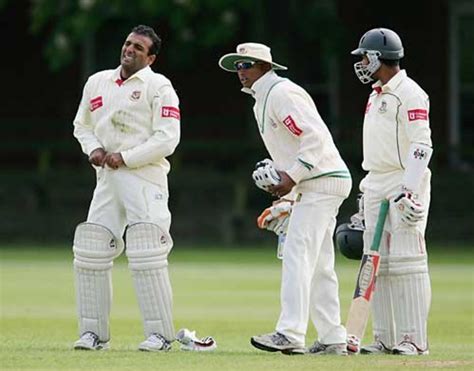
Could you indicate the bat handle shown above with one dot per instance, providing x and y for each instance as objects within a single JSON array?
[{"x": 384, "y": 206}]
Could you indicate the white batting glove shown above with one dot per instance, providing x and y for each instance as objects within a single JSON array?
[
  {"x": 411, "y": 210},
  {"x": 190, "y": 342},
  {"x": 358, "y": 219},
  {"x": 276, "y": 218},
  {"x": 265, "y": 175}
]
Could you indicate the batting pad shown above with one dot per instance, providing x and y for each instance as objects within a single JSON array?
[
  {"x": 382, "y": 312},
  {"x": 147, "y": 248},
  {"x": 94, "y": 250},
  {"x": 411, "y": 290}
]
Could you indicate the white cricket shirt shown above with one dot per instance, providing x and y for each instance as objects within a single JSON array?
[
  {"x": 294, "y": 133},
  {"x": 138, "y": 117},
  {"x": 396, "y": 115}
]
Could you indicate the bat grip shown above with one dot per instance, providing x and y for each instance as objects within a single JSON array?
[{"x": 383, "y": 211}]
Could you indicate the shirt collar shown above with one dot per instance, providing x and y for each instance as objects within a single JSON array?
[
  {"x": 260, "y": 86},
  {"x": 392, "y": 84},
  {"x": 141, "y": 74}
]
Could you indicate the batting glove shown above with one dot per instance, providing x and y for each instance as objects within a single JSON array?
[
  {"x": 411, "y": 210},
  {"x": 276, "y": 217},
  {"x": 358, "y": 220},
  {"x": 265, "y": 175},
  {"x": 190, "y": 342}
]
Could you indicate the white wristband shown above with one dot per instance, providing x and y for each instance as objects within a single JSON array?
[{"x": 417, "y": 161}]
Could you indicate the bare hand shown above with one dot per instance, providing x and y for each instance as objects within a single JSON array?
[
  {"x": 284, "y": 187},
  {"x": 114, "y": 160},
  {"x": 97, "y": 157}
]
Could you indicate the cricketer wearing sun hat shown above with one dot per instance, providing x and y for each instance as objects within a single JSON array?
[
  {"x": 313, "y": 173},
  {"x": 249, "y": 52}
]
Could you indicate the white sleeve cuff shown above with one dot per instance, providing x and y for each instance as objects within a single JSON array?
[
  {"x": 297, "y": 172},
  {"x": 126, "y": 159}
]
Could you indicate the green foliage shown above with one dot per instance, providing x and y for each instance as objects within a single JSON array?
[{"x": 193, "y": 24}]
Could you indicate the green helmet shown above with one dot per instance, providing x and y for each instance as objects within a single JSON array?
[
  {"x": 382, "y": 40},
  {"x": 349, "y": 240}
]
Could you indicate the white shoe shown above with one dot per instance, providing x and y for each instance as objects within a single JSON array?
[
  {"x": 155, "y": 343},
  {"x": 328, "y": 349},
  {"x": 406, "y": 348},
  {"x": 376, "y": 348},
  {"x": 90, "y": 341},
  {"x": 276, "y": 342},
  {"x": 190, "y": 342}
]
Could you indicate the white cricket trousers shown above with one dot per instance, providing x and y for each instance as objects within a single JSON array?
[
  {"x": 121, "y": 197},
  {"x": 309, "y": 284}
]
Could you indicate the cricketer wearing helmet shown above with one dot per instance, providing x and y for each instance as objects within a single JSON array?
[
  {"x": 397, "y": 149},
  {"x": 304, "y": 161},
  {"x": 128, "y": 122}
]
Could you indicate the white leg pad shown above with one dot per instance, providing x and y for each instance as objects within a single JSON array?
[
  {"x": 382, "y": 312},
  {"x": 147, "y": 248},
  {"x": 94, "y": 250},
  {"x": 383, "y": 320},
  {"x": 411, "y": 290}
]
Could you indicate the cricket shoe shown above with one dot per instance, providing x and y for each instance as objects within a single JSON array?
[
  {"x": 377, "y": 348},
  {"x": 406, "y": 348},
  {"x": 155, "y": 343},
  {"x": 190, "y": 342},
  {"x": 90, "y": 341},
  {"x": 320, "y": 349},
  {"x": 276, "y": 342}
]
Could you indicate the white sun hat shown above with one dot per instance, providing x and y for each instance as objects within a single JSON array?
[{"x": 249, "y": 52}]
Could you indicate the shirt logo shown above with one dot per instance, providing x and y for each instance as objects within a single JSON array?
[
  {"x": 419, "y": 154},
  {"x": 170, "y": 111},
  {"x": 383, "y": 107},
  {"x": 417, "y": 114},
  {"x": 291, "y": 125},
  {"x": 95, "y": 103},
  {"x": 136, "y": 95}
]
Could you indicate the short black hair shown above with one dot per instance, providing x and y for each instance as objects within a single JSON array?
[
  {"x": 150, "y": 33},
  {"x": 390, "y": 62}
]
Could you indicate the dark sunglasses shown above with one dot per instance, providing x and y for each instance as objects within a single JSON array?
[{"x": 245, "y": 65}]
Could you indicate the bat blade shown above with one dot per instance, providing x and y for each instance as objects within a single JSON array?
[{"x": 360, "y": 307}]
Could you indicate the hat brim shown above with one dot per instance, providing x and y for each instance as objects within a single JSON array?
[{"x": 227, "y": 62}]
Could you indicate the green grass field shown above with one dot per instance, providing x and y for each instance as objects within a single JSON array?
[{"x": 230, "y": 294}]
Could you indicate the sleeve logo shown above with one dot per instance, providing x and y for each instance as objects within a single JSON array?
[
  {"x": 170, "y": 111},
  {"x": 95, "y": 103},
  {"x": 417, "y": 114},
  {"x": 291, "y": 125},
  {"x": 419, "y": 154}
]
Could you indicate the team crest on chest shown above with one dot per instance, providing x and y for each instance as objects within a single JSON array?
[
  {"x": 383, "y": 107},
  {"x": 135, "y": 95}
]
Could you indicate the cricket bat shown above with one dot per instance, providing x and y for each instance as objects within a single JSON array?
[{"x": 365, "y": 285}]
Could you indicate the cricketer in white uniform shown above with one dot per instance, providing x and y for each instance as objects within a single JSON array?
[
  {"x": 128, "y": 122},
  {"x": 309, "y": 164},
  {"x": 397, "y": 149}
]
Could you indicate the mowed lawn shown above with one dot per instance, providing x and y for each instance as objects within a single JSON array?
[{"x": 228, "y": 293}]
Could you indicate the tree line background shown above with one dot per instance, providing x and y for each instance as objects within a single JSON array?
[{"x": 53, "y": 45}]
